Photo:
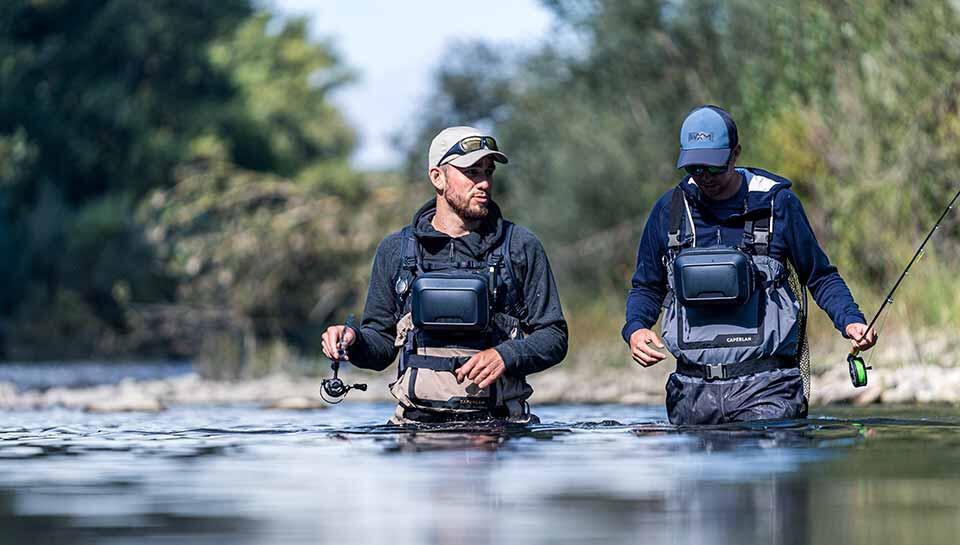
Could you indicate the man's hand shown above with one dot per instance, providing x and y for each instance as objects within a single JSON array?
[
  {"x": 640, "y": 343},
  {"x": 860, "y": 338},
  {"x": 483, "y": 368},
  {"x": 333, "y": 336}
]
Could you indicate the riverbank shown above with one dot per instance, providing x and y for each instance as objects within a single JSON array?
[{"x": 627, "y": 385}]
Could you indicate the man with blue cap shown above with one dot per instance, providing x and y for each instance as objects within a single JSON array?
[{"x": 728, "y": 254}]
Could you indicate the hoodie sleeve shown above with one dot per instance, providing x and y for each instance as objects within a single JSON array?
[
  {"x": 813, "y": 266},
  {"x": 375, "y": 348},
  {"x": 649, "y": 283},
  {"x": 545, "y": 341}
]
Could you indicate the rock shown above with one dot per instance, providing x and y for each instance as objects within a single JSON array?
[
  {"x": 125, "y": 404},
  {"x": 297, "y": 404},
  {"x": 870, "y": 394}
]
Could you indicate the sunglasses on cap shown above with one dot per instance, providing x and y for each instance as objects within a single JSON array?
[
  {"x": 697, "y": 170},
  {"x": 468, "y": 144}
]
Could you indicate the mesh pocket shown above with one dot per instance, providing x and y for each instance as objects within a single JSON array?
[{"x": 803, "y": 344}]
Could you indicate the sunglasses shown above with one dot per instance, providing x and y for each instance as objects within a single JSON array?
[
  {"x": 697, "y": 170},
  {"x": 468, "y": 144}
]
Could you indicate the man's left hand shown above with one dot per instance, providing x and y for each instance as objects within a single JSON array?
[
  {"x": 483, "y": 368},
  {"x": 860, "y": 337}
]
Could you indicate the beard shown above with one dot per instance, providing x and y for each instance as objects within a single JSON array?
[{"x": 460, "y": 204}]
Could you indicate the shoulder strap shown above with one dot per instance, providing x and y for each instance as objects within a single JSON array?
[
  {"x": 496, "y": 255},
  {"x": 499, "y": 260},
  {"x": 678, "y": 208},
  {"x": 409, "y": 265},
  {"x": 756, "y": 234},
  {"x": 409, "y": 250}
]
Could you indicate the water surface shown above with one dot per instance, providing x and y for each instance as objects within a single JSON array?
[{"x": 587, "y": 474}]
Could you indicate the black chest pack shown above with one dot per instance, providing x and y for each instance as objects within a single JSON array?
[
  {"x": 718, "y": 275},
  {"x": 449, "y": 311},
  {"x": 457, "y": 297}
]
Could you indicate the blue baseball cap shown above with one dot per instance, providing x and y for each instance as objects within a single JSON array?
[{"x": 707, "y": 136}]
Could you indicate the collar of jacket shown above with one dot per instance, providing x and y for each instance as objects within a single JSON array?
[
  {"x": 762, "y": 187},
  {"x": 478, "y": 243}
]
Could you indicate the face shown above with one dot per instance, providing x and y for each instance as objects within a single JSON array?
[
  {"x": 721, "y": 185},
  {"x": 467, "y": 189}
]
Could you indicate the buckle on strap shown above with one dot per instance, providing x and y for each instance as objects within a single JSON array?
[
  {"x": 673, "y": 240},
  {"x": 714, "y": 371}
]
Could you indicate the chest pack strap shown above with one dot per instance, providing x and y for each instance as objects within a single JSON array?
[
  {"x": 410, "y": 250},
  {"x": 756, "y": 234},
  {"x": 411, "y": 263},
  {"x": 756, "y": 231},
  {"x": 678, "y": 210},
  {"x": 721, "y": 371},
  {"x": 500, "y": 257}
]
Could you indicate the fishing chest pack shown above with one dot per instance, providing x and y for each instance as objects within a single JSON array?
[
  {"x": 730, "y": 311},
  {"x": 450, "y": 312}
]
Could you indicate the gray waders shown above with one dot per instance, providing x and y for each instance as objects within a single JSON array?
[{"x": 734, "y": 324}]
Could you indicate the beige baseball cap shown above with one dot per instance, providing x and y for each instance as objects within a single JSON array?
[{"x": 447, "y": 138}]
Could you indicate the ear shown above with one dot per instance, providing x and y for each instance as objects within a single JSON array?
[
  {"x": 735, "y": 154},
  {"x": 438, "y": 178}
]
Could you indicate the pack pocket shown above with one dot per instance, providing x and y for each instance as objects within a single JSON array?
[
  {"x": 718, "y": 327},
  {"x": 430, "y": 384}
]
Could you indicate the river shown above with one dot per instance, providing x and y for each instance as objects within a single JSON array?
[{"x": 586, "y": 474}]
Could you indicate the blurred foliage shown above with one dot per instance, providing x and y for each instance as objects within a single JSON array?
[
  {"x": 174, "y": 180},
  {"x": 281, "y": 121},
  {"x": 215, "y": 111},
  {"x": 857, "y": 103},
  {"x": 283, "y": 258}
]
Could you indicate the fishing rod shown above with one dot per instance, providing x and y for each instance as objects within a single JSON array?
[
  {"x": 333, "y": 390},
  {"x": 858, "y": 369}
]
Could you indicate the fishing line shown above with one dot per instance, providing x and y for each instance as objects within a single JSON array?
[{"x": 857, "y": 367}]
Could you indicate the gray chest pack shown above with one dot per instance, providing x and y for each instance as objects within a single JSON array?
[
  {"x": 730, "y": 311},
  {"x": 449, "y": 312}
]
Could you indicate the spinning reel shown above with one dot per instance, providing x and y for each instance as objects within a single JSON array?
[{"x": 333, "y": 390}]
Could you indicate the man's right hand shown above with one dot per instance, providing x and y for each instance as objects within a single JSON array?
[
  {"x": 332, "y": 338},
  {"x": 643, "y": 353}
]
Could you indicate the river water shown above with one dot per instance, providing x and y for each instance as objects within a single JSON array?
[{"x": 587, "y": 474}]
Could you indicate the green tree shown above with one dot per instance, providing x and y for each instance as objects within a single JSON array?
[
  {"x": 281, "y": 118},
  {"x": 98, "y": 101},
  {"x": 855, "y": 102},
  {"x": 102, "y": 104}
]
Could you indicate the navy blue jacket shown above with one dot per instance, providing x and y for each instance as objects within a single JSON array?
[{"x": 792, "y": 240}]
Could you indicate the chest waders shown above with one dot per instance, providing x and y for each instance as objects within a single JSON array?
[
  {"x": 449, "y": 312},
  {"x": 731, "y": 312}
]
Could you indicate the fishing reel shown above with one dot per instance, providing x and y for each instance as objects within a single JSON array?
[
  {"x": 858, "y": 369},
  {"x": 333, "y": 390}
]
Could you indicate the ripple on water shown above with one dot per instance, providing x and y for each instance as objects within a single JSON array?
[{"x": 587, "y": 474}]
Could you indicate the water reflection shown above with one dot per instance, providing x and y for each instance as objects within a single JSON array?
[{"x": 604, "y": 474}]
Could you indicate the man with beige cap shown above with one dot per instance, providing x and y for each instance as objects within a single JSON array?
[{"x": 466, "y": 297}]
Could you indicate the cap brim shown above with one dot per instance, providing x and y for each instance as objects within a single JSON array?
[
  {"x": 469, "y": 159},
  {"x": 709, "y": 157}
]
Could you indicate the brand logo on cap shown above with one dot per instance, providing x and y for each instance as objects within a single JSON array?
[{"x": 700, "y": 136}]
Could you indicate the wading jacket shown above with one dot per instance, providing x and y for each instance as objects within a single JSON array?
[
  {"x": 544, "y": 341},
  {"x": 792, "y": 240}
]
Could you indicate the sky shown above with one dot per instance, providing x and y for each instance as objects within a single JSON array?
[{"x": 394, "y": 48}]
